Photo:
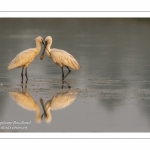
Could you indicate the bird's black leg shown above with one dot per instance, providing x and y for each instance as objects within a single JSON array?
[
  {"x": 67, "y": 84},
  {"x": 26, "y": 75},
  {"x": 68, "y": 72},
  {"x": 22, "y": 74},
  {"x": 62, "y": 73}
]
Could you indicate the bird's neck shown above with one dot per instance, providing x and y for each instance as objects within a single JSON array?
[
  {"x": 48, "y": 49},
  {"x": 38, "y": 113},
  {"x": 49, "y": 116},
  {"x": 38, "y": 47}
]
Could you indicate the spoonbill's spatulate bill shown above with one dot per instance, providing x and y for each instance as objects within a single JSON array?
[
  {"x": 41, "y": 101},
  {"x": 24, "y": 58},
  {"x": 60, "y": 57}
]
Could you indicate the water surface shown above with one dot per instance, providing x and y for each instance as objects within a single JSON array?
[{"x": 111, "y": 88}]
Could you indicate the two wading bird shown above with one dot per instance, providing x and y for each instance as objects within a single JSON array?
[
  {"x": 60, "y": 57},
  {"x": 24, "y": 58}
]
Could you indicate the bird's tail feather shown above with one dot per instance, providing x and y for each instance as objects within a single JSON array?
[{"x": 76, "y": 65}]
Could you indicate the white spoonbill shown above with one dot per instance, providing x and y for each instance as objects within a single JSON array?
[
  {"x": 60, "y": 57},
  {"x": 26, "y": 101},
  {"x": 24, "y": 58},
  {"x": 59, "y": 101}
]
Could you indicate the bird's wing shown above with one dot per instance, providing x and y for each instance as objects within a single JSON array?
[
  {"x": 63, "y": 58},
  {"x": 23, "y": 58}
]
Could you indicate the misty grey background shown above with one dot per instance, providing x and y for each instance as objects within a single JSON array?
[{"x": 113, "y": 83}]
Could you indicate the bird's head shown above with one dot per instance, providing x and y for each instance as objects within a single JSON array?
[
  {"x": 39, "y": 39},
  {"x": 48, "y": 39}
]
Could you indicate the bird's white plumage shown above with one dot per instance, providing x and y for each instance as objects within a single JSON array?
[
  {"x": 24, "y": 58},
  {"x": 61, "y": 57},
  {"x": 64, "y": 59}
]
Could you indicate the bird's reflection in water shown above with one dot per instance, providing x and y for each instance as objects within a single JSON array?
[
  {"x": 25, "y": 86},
  {"x": 65, "y": 82},
  {"x": 59, "y": 101},
  {"x": 25, "y": 100}
]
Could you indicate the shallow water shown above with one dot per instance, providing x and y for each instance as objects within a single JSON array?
[{"x": 111, "y": 90}]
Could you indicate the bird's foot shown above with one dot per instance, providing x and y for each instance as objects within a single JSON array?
[{"x": 26, "y": 81}]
